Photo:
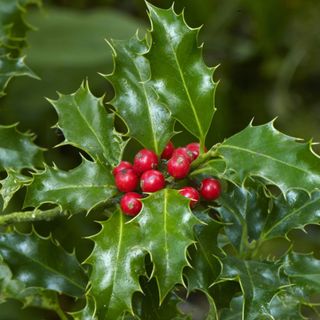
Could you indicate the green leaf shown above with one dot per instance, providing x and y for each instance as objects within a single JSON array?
[
  {"x": 265, "y": 152},
  {"x": 12, "y": 67},
  {"x": 244, "y": 212},
  {"x": 259, "y": 283},
  {"x": 38, "y": 262},
  {"x": 303, "y": 271},
  {"x": 135, "y": 100},
  {"x": 214, "y": 167},
  {"x": 179, "y": 75},
  {"x": 11, "y": 184},
  {"x": 234, "y": 312},
  {"x": 17, "y": 150},
  {"x": 86, "y": 125},
  {"x": 295, "y": 210},
  {"x": 166, "y": 227},
  {"x": 88, "y": 312},
  {"x": 147, "y": 304},
  {"x": 117, "y": 261},
  {"x": 203, "y": 255},
  {"x": 30, "y": 297},
  {"x": 81, "y": 188}
]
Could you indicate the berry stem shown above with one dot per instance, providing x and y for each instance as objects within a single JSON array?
[{"x": 203, "y": 157}]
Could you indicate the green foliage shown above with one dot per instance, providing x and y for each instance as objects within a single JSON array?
[{"x": 146, "y": 267}]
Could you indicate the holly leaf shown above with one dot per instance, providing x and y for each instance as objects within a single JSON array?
[
  {"x": 179, "y": 75},
  {"x": 13, "y": 182},
  {"x": 279, "y": 159},
  {"x": 166, "y": 227},
  {"x": 11, "y": 288},
  {"x": 295, "y": 210},
  {"x": 87, "y": 126},
  {"x": 117, "y": 259},
  {"x": 234, "y": 312},
  {"x": 214, "y": 167},
  {"x": 10, "y": 68},
  {"x": 38, "y": 262},
  {"x": 17, "y": 150},
  {"x": 88, "y": 312},
  {"x": 136, "y": 102},
  {"x": 244, "y": 212},
  {"x": 204, "y": 255},
  {"x": 81, "y": 188},
  {"x": 303, "y": 271},
  {"x": 259, "y": 282}
]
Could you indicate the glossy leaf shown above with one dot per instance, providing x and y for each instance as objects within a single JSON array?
[
  {"x": 11, "y": 184},
  {"x": 86, "y": 125},
  {"x": 117, "y": 261},
  {"x": 259, "y": 282},
  {"x": 30, "y": 297},
  {"x": 179, "y": 75},
  {"x": 234, "y": 312},
  {"x": 17, "y": 150},
  {"x": 166, "y": 227},
  {"x": 279, "y": 159},
  {"x": 135, "y": 100},
  {"x": 81, "y": 188},
  {"x": 296, "y": 210},
  {"x": 214, "y": 167},
  {"x": 303, "y": 270},
  {"x": 88, "y": 312},
  {"x": 203, "y": 255},
  {"x": 37, "y": 262}
]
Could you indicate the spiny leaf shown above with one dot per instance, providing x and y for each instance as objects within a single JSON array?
[
  {"x": 86, "y": 125},
  {"x": 234, "y": 312},
  {"x": 295, "y": 210},
  {"x": 117, "y": 261},
  {"x": 11, "y": 184},
  {"x": 259, "y": 282},
  {"x": 88, "y": 312},
  {"x": 37, "y": 262},
  {"x": 180, "y": 77},
  {"x": 244, "y": 211},
  {"x": 17, "y": 150},
  {"x": 265, "y": 152},
  {"x": 136, "y": 102},
  {"x": 12, "y": 67},
  {"x": 303, "y": 270},
  {"x": 205, "y": 264},
  {"x": 30, "y": 297},
  {"x": 214, "y": 167},
  {"x": 166, "y": 227},
  {"x": 81, "y": 188},
  {"x": 147, "y": 305}
]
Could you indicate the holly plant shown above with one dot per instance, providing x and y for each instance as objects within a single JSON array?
[{"x": 165, "y": 224}]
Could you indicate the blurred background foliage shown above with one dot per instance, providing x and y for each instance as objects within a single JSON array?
[{"x": 268, "y": 52}]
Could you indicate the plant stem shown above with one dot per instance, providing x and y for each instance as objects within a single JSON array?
[
  {"x": 203, "y": 158},
  {"x": 34, "y": 215}
]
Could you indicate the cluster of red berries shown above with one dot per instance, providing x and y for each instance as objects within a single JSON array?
[{"x": 144, "y": 170}]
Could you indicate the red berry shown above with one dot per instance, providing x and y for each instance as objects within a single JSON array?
[
  {"x": 167, "y": 151},
  {"x": 126, "y": 180},
  {"x": 145, "y": 160},
  {"x": 182, "y": 151},
  {"x": 122, "y": 166},
  {"x": 152, "y": 181},
  {"x": 210, "y": 189},
  {"x": 192, "y": 194},
  {"x": 130, "y": 203},
  {"x": 194, "y": 147},
  {"x": 178, "y": 166}
]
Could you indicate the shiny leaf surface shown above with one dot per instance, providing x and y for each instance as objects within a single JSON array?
[
  {"x": 294, "y": 211},
  {"x": 179, "y": 75},
  {"x": 135, "y": 100},
  {"x": 279, "y": 159},
  {"x": 259, "y": 281},
  {"x": 17, "y": 150},
  {"x": 117, "y": 261},
  {"x": 81, "y": 188},
  {"x": 37, "y": 262},
  {"x": 166, "y": 227},
  {"x": 86, "y": 125},
  {"x": 11, "y": 184},
  {"x": 88, "y": 312}
]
